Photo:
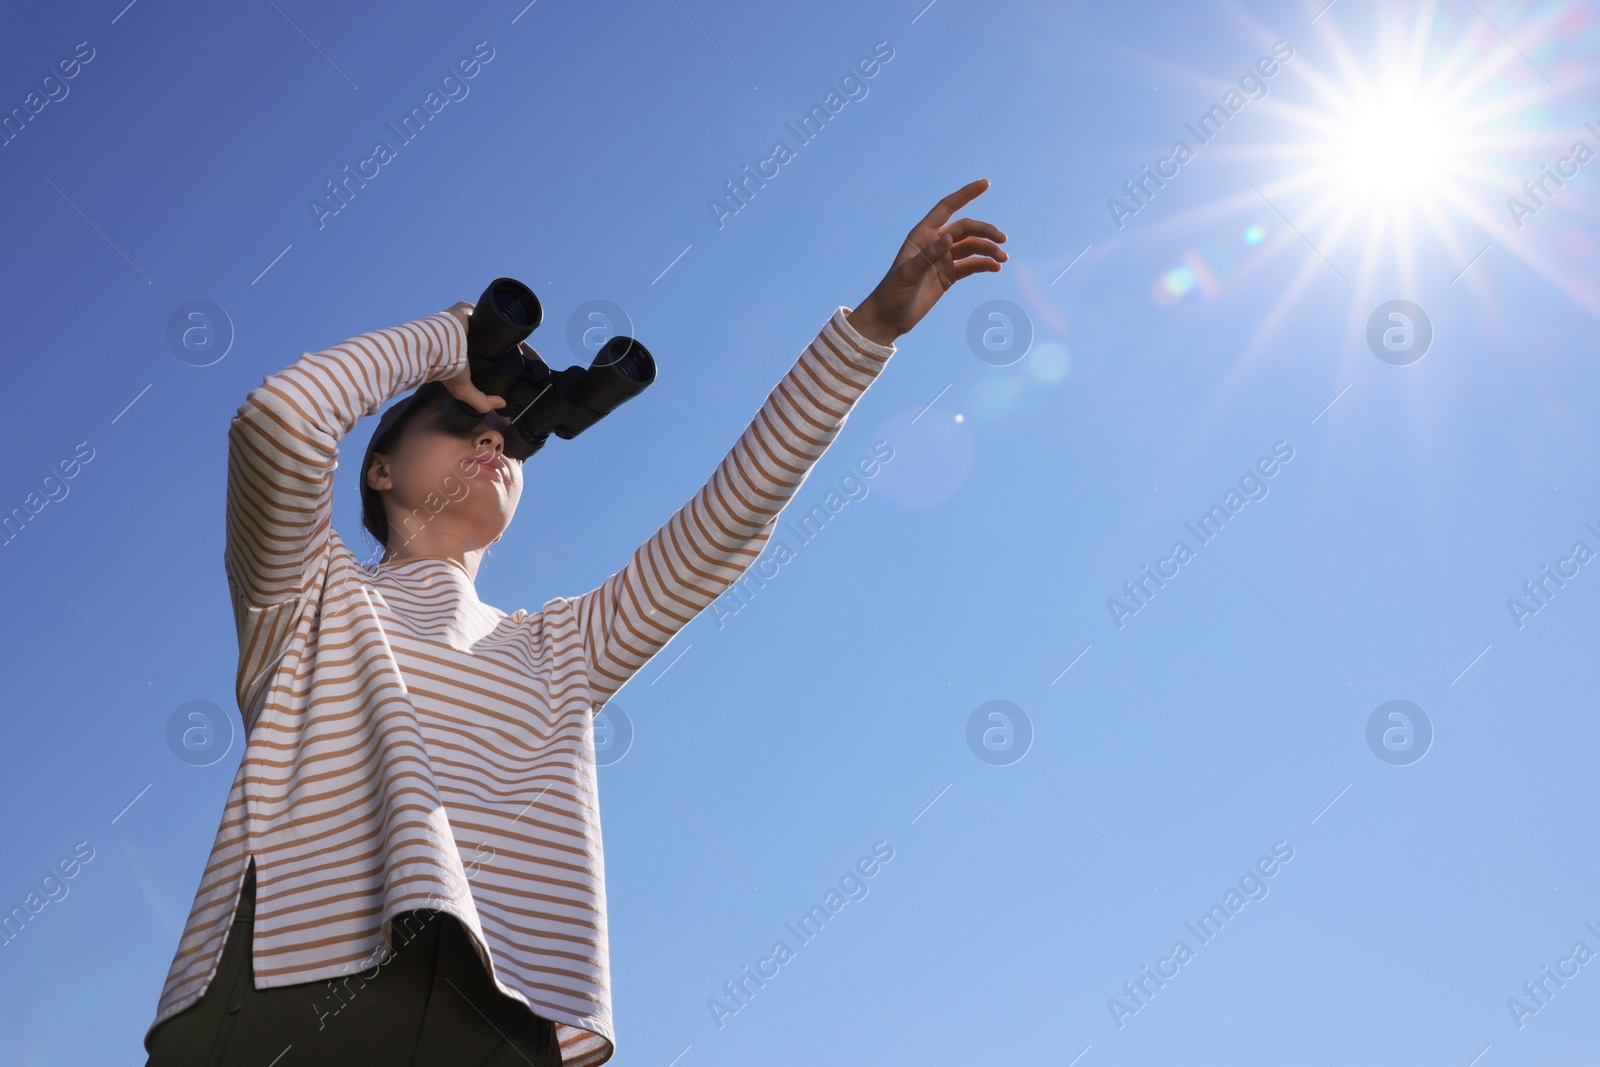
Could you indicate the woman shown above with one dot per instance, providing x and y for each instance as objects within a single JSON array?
[{"x": 409, "y": 866}]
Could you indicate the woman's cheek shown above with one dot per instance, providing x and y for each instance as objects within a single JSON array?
[{"x": 454, "y": 487}]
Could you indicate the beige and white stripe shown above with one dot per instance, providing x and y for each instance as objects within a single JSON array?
[{"x": 410, "y": 746}]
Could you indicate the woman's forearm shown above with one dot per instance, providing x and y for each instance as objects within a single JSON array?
[
  {"x": 283, "y": 446},
  {"x": 715, "y": 537}
]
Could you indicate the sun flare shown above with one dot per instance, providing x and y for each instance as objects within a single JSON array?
[
  {"x": 1393, "y": 144},
  {"x": 1392, "y": 167}
]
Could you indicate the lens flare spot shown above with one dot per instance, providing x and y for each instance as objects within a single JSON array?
[
  {"x": 994, "y": 395},
  {"x": 934, "y": 453},
  {"x": 1049, "y": 361},
  {"x": 1255, "y": 234},
  {"x": 1178, "y": 280}
]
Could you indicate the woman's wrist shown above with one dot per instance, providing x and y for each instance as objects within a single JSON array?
[{"x": 865, "y": 320}]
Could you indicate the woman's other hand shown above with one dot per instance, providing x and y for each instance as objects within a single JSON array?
[{"x": 461, "y": 386}]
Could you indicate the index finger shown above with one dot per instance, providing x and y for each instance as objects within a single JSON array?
[{"x": 955, "y": 202}]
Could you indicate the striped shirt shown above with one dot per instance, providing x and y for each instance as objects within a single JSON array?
[{"x": 410, "y": 746}]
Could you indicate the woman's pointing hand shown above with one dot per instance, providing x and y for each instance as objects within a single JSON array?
[{"x": 933, "y": 258}]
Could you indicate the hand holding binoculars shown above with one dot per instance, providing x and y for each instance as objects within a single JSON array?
[{"x": 540, "y": 401}]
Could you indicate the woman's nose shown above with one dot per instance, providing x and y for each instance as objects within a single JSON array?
[{"x": 490, "y": 438}]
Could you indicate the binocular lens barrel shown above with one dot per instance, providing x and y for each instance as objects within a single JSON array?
[
  {"x": 518, "y": 308},
  {"x": 620, "y": 371},
  {"x": 562, "y": 403},
  {"x": 504, "y": 317},
  {"x": 627, "y": 357}
]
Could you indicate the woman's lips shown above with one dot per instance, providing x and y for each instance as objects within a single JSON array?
[{"x": 491, "y": 462}]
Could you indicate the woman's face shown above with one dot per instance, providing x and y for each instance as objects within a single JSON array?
[{"x": 457, "y": 491}]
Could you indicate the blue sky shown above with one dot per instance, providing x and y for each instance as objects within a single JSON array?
[{"x": 1174, "y": 340}]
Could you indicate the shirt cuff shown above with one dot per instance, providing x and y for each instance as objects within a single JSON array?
[
  {"x": 854, "y": 336},
  {"x": 455, "y": 352}
]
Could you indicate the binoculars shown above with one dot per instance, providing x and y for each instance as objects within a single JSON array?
[{"x": 540, "y": 401}]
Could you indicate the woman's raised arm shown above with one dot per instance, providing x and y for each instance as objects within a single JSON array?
[
  {"x": 283, "y": 447},
  {"x": 282, "y": 452},
  {"x": 719, "y": 533},
  {"x": 716, "y": 536}
]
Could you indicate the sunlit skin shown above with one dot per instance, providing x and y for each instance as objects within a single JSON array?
[
  {"x": 935, "y": 255},
  {"x": 427, "y": 459}
]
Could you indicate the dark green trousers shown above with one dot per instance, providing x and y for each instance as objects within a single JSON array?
[{"x": 430, "y": 1004}]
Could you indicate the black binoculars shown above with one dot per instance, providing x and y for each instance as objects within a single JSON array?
[{"x": 540, "y": 401}]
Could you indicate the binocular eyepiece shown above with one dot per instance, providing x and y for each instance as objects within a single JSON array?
[{"x": 540, "y": 401}]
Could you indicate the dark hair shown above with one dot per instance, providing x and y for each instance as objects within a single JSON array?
[{"x": 390, "y": 426}]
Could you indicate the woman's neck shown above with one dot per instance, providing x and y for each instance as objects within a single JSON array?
[{"x": 467, "y": 559}]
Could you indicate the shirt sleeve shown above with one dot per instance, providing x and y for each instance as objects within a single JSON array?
[
  {"x": 722, "y": 530},
  {"x": 283, "y": 448}
]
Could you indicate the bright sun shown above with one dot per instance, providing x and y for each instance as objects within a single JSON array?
[
  {"x": 1392, "y": 145},
  {"x": 1400, "y": 166}
]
